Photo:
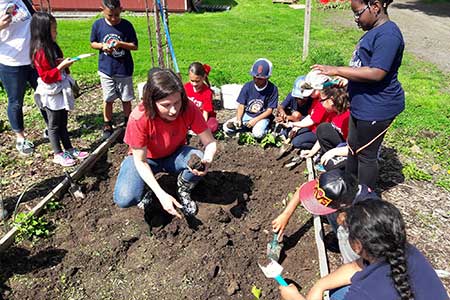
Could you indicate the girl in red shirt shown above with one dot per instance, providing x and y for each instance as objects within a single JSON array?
[
  {"x": 198, "y": 91},
  {"x": 54, "y": 92}
]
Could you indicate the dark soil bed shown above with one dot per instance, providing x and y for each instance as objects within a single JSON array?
[{"x": 99, "y": 251}]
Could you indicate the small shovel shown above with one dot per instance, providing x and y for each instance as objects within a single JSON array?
[
  {"x": 274, "y": 248},
  {"x": 273, "y": 270}
]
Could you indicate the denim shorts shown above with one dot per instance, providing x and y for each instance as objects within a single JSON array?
[{"x": 117, "y": 87}]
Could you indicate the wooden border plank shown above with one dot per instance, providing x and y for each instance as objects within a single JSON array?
[
  {"x": 318, "y": 233},
  {"x": 62, "y": 187}
]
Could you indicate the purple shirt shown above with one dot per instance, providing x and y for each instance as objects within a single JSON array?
[{"x": 258, "y": 102}]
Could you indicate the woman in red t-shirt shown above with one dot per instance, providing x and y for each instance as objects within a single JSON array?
[
  {"x": 156, "y": 133},
  {"x": 198, "y": 91},
  {"x": 332, "y": 135}
]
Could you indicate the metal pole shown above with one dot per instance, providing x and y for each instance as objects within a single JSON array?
[{"x": 169, "y": 41}]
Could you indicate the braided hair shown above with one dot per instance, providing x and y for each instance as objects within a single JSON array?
[{"x": 379, "y": 227}]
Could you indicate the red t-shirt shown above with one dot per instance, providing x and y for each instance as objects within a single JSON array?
[
  {"x": 162, "y": 138},
  {"x": 202, "y": 98},
  {"x": 45, "y": 71},
  {"x": 340, "y": 123},
  {"x": 319, "y": 114}
]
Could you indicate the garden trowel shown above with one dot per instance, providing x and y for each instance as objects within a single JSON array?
[
  {"x": 273, "y": 270},
  {"x": 274, "y": 248}
]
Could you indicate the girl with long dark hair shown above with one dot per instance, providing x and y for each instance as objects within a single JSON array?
[
  {"x": 389, "y": 267},
  {"x": 54, "y": 92}
]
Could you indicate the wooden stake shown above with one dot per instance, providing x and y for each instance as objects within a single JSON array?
[
  {"x": 306, "y": 29},
  {"x": 149, "y": 30},
  {"x": 158, "y": 35}
]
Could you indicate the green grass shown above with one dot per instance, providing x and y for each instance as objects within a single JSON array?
[{"x": 231, "y": 41}]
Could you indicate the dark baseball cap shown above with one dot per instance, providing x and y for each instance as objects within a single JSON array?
[
  {"x": 262, "y": 68},
  {"x": 332, "y": 191}
]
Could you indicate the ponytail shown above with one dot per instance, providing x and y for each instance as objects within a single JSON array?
[{"x": 199, "y": 69}]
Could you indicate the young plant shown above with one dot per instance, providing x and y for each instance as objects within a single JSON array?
[
  {"x": 53, "y": 206},
  {"x": 270, "y": 140},
  {"x": 246, "y": 138},
  {"x": 29, "y": 227},
  {"x": 411, "y": 171},
  {"x": 219, "y": 135}
]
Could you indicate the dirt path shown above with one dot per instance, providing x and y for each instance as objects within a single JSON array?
[{"x": 426, "y": 29}]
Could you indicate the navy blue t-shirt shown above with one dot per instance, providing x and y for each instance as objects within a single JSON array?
[
  {"x": 381, "y": 47},
  {"x": 374, "y": 282},
  {"x": 119, "y": 62},
  {"x": 258, "y": 102},
  {"x": 292, "y": 104}
]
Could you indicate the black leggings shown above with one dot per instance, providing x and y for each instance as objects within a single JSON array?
[
  {"x": 328, "y": 137},
  {"x": 57, "y": 130},
  {"x": 364, "y": 140}
]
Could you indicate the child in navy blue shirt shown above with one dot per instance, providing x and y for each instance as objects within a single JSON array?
[
  {"x": 257, "y": 100},
  {"x": 114, "y": 37},
  {"x": 376, "y": 95},
  {"x": 294, "y": 107}
]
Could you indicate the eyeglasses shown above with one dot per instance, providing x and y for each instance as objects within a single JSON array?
[
  {"x": 358, "y": 14},
  {"x": 319, "y": 193}
]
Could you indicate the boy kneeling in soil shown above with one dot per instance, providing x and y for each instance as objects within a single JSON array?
[
  {"x": 257, "y": 100},
  {"x": 156, "y": 133}
]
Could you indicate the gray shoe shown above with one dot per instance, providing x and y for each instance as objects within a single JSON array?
[
  {"x": 284, "y": 150},
  {"x": 25, "y": 147},
  {"x": 146, "y": 200}
]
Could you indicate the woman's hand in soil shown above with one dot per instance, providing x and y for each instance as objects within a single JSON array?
[
  {"x": 290, "y": 292},
  {"x": 279, "y": 225},
  {"x": 203, "y": 172},
  {"x": 5, "y": 20},
  {"x": 168, "y": 202}
]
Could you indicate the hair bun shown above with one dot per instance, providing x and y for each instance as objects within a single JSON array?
[{"x": 207, "y": 68}]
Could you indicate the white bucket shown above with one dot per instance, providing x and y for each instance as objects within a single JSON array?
[
  {"x": 230, "y": 93},
  {"x": 140, "y": 88}
]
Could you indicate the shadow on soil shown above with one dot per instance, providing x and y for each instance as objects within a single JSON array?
[
  {"x": 390, "y": 170},
  {"x": 440, "y": 9},
  {"x": 22, "y": 262}
]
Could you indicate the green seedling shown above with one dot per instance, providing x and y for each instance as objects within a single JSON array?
[
  {"x": 270, "y": 140},
  {"x": 246, "y": 139},
  {"x": 256, "y": 292},
  {"x": 219, "y": 135},
  {"x": 53, "y": 206},
  {"x": 29, "y": 227}
]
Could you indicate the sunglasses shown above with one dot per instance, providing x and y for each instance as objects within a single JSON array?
[
  {"x": 319, "y": 193},
  {"x": 358, "y": 14}
]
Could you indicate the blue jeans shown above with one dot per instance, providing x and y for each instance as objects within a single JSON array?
[
  {"x": 339, "y": 293},
  {"x": 129, "y": 187},
  {"x": 305, "y": 139},
  {"x": 258, "y": 131},
  {"x": 15, "y": 81}
]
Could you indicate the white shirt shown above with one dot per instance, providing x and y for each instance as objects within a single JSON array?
[{"x": 15, "y": 39}]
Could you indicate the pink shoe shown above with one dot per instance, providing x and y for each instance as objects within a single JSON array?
[
  {"x": 75, "y": 153},
  {"x": 64, "y": 159}
]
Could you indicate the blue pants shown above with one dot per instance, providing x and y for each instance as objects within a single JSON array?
[
  {"x": 14, "y": 80},
  {"x": 258, "y": 131},
  {"x": 339, "y": 293},
  {"x": 305, "y": 139},
  {"x": 129, "y": 187}
]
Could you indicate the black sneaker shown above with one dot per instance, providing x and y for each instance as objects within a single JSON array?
[
  {"x": 146, "y": 200},
  {"x": 107, "y": 131}
]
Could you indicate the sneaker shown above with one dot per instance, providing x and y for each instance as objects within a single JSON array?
[
  {"x": 107, "y": 131},
  {"x": 75, "y": 153},
  {"x": 284, "y": 150},
  {"x": 146, "y": 200},
  {"x": 64, "y": 159},
  {"x": 45, "y": 133},
  {"x": 319, "y": 167},
  {"x": 295, "y": 161},
  {"x": 25, "y": 147}
]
